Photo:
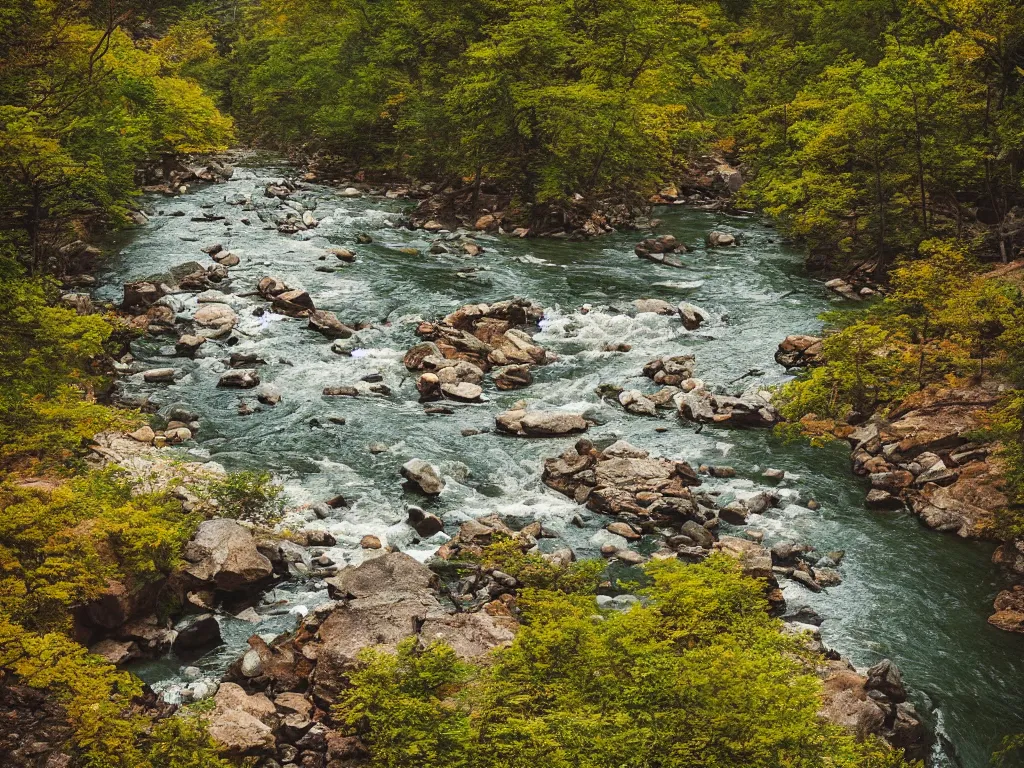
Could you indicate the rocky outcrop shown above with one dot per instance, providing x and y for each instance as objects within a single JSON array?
[
  {"x": 277, "y": 698},
  {"x": 799, "y": 351},
  {"x": 671, "y": 371},
  {"x": 460, "y": 349},
  {"x": 923, "y": 456},
  {"x": 624, "y": 480},
  {"x": 874, "y": 704}
]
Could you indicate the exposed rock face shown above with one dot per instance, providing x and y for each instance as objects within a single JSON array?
[
  {"x": 1009, "y": 610},
  {"x": 383, "y": 601},
  {"x": 540, "y": 423},
  {"x": 799, "y": 351},
  {"x": 34, "y": 729},
  {"x": 923, "y": 457},
  {"x": 223, "y": 554},
  {"x": 873, "y": 705},
  {"x": 622, "y": 480},
  {"x": 423, "y": 476}
]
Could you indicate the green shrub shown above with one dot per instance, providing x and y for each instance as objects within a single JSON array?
[
  {"x": 698, "y": 676},
  {"x": 250, "y": 496}
]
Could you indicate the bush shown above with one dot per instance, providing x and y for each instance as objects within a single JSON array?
[
  {"x": 250, "y": 496},
  {"x": 58, "y": 549},
  {"x": 698, "y": 676},
  {"x": 533, "y": 571}
]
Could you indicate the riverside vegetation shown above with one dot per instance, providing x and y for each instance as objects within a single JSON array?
[{"x": 887, "y": 137}]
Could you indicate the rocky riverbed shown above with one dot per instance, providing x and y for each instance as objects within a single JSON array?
[{"x": 408, "y": 383}]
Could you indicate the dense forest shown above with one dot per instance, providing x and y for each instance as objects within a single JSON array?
[{"x": 885, "y": 138}]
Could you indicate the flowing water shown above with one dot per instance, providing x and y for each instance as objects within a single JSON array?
[{"x": 917, "y": 597}]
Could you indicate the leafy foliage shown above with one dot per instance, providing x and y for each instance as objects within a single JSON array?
[
  {"x": 534, "y": 572},
  {"x": 699, "y": 675},
  {"x": 250, "y": 496}
]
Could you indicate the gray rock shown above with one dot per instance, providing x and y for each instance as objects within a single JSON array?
[{"x": 423, "y": 476}]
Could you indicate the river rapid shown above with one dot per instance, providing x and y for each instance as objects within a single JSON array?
[{"x": 917, "y": 597}]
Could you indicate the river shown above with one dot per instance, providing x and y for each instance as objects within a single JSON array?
[{"x": 917, "y": 597}]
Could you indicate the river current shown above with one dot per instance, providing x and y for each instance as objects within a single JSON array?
[{"x": 917, "y": 597}]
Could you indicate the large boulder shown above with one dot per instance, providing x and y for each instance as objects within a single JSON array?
[
  {"x": 328, "y": 324},
  {"x": 215, "y": 319},
  {"x": 223, "y": 553},
  {"x": 423, "y": 476},
  {"x": 239, "y": 733},
  {"x": 521, "y": 422},
  {"x": 691, "y": 315}
]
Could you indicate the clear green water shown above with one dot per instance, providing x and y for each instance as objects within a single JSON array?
[{"x": 917, "y": 597}]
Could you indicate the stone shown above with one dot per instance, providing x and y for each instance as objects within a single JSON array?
[
  {"x": 425, "y": 524},
  {"x": 115, "y": 651},
  {"x": 624, "y": 530},
  {"x": 804, "y": 578},
  {"x": 268, "y": 394},
  {"x": 328, "y": 324},
  {"x": 718, "y": 239},
  {"x": 239, "y": 378},
  {"x": 240, "y": 733},
  {"x": 294, "y": 302},
  {"x": 343, "y": 254},
  {"x": 143, "y": 434},
  {"x": 540, "y": 423},
  {"x": 141, "y": 295},
  {"x": 691, "y": 315},
  {"x": 159, "y": 375},
  {"x": 423, "y": 476},
  {"x": 634, "y": 401},
  {"x": 252, "y": 664},
  {"x": 188, "y": 345},
  {"x": 512, "y": 377},
  {"x": 462, "y": 391},
  {"x": 370, "y": 542},
  {"x": 219, "y": 317},
  {"x": 656, "y": 306},
  {"x": 223, "y": 553}
]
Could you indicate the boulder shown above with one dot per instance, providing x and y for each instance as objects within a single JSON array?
[
  {"x": 885, "y": 677},
  {"x": 188, "y": 345},
  {"x": 691, "y": 315},
  {"x": 423, "y": 476},
  {"x": 141, "y": 295},
  {"x": 425, "y": 524},
  {"x": 295, "y": 303},
  {"x": 635, "y": 401},
  {"x": 328, "y": 324},
  {"x": 159, "y": 376},
  {"x": 1009, "y": 610},
  {"x": 540, "y": 423},
  {"x": 223, "y": 553},
  {"x": 239, "y": 733},
  {"x": 656, "y": 306},
  {"x": 239, "y": 378},
  {"x": 462, "y": 391},
  {"x": 220, "y": 318},
  {"x": 718, "y": 239}
]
